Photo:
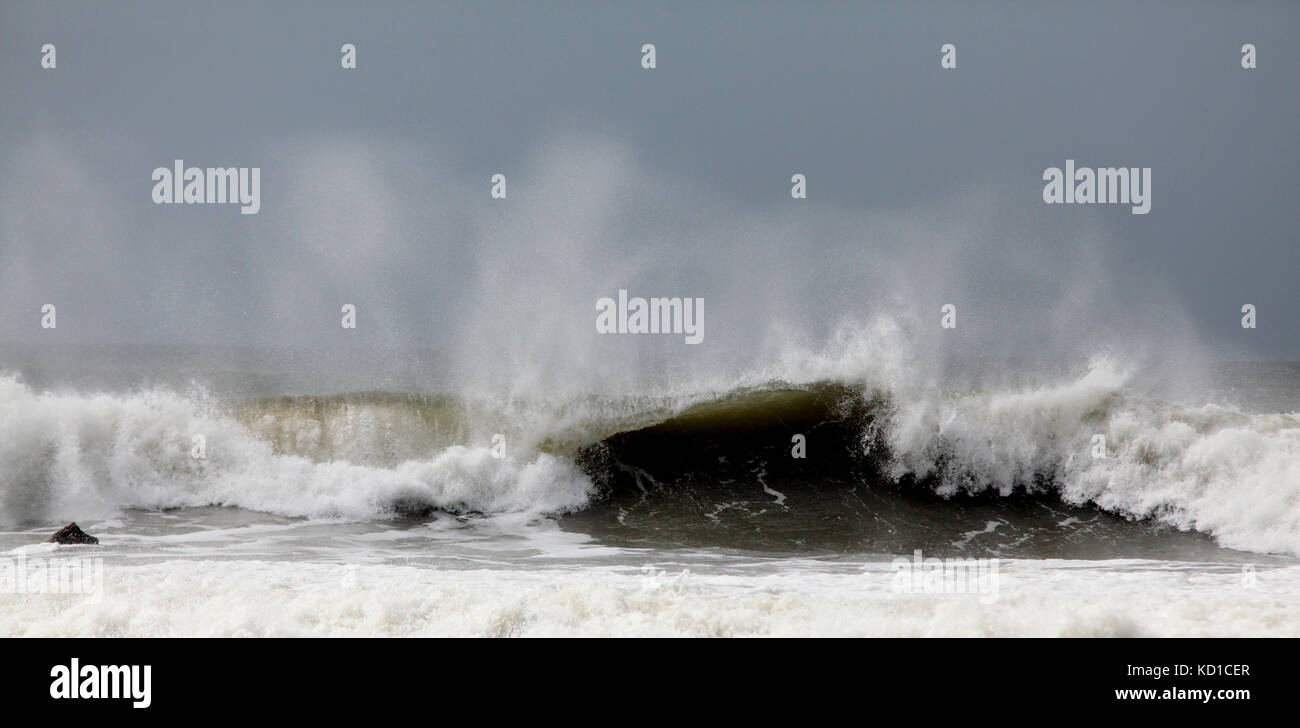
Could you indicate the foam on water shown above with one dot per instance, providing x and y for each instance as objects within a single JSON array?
[
  {"x": 265, "y": 598},
  {"x": 1210, "y": 468},
  {"x": 92, "y": 455},
  {"x": 1214, "y": 469}
]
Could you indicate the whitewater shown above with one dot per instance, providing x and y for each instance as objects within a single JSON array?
[{"x": 669, "y": 511}]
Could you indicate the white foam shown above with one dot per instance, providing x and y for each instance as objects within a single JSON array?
[
  {"x": 260, "y": 598},
  {"x": 88, "y": 456},
  {"x": 1213, "y": 469}
]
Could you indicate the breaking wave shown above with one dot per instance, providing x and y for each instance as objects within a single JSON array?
[{"x": 1213, "y": 469}]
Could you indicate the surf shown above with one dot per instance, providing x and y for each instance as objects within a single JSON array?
[{"x": 907, "y": 451}]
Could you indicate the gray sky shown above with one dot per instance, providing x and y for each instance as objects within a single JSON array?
[{"x": 924, "y": 185}]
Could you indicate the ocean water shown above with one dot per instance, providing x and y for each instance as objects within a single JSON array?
[{"x": 323, "y": 509}]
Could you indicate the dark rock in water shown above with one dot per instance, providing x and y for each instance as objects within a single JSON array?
[{"x": 72, "y": 533}]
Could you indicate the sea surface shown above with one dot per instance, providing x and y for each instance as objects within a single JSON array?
[{"x": 813, "y": 500}]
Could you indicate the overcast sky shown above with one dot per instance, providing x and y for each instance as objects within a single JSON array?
[{"x": 671, "y": 181}]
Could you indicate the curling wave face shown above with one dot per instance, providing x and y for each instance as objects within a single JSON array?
[{"x": 879, "y": 455}]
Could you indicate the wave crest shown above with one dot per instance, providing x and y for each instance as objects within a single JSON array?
[{"x": 1211, "y": 469}]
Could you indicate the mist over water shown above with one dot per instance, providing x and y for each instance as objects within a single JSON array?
[
  {"x": 506, "y": 288},
  {"x": 399, "y": 413},
  {"x": 476, "y": 458}
]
